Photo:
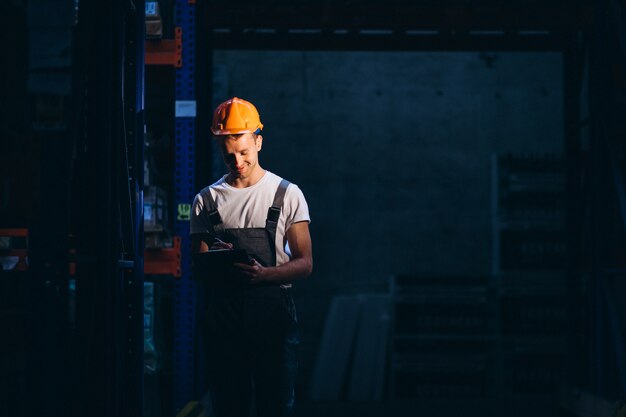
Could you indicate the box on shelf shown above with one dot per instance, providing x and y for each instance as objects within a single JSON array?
[
  {"x": 155, "y": 209},
  {"x": 533, "y": 370},
  {"x": 154, "y": 23},
  {"x": 152, "y": 10},
  {"x": 158, "y": 240},
  {"x": 533, "y": 313},
  {"x": 441, "y": 382},
  {"x": 443, "y": 331},
  {"x": 154, "y": 29}
]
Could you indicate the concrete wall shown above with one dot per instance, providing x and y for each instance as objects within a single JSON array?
[{"x": 392, "y": 151}]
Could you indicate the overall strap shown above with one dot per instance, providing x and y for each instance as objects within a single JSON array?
[
  {"x": 214, "y": 218},
  {"x": 273, "y": 214}
]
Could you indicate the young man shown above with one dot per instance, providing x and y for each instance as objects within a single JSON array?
[{"x": 250, "y": 319}]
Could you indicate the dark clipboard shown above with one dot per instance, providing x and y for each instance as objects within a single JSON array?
[{"x": 218, "y": 262}]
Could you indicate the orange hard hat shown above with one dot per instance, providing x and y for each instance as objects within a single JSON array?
[{"x": 234, "y": 117}]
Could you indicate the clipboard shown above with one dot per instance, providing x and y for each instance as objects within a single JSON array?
[
  {"x": 214, "y": 269},
  {"x": 220, "y": 260}
]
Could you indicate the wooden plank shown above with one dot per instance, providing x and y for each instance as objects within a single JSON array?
[
  {"x": 335, "y": 348},
  {"x": 192, "y": 409},
  {"x": 367, "y": 380}
]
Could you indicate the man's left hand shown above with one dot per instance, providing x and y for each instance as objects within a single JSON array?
[{"x": 255, "y": 272}]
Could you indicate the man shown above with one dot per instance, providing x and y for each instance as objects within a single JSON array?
[{"x": 251, "y": 318}]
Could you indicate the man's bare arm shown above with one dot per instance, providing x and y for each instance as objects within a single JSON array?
[
  {"x": 300, "y": 265},
  {"x": 198, "y": 244}
]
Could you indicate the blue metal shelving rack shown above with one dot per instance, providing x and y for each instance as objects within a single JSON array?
[{"x": 184, "y": 193}]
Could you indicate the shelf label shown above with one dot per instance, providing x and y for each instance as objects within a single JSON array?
[
  {"x": 184, "y": 212},
  {"x": 151, "y": 8},
  {"x": 185, "y": 108}
]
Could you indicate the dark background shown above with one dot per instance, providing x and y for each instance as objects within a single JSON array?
[{"x": 463, "y": 163}]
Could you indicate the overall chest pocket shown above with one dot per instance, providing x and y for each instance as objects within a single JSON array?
[{"x": 255, "y": 241}]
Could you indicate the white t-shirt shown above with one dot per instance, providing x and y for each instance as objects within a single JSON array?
[{"x": 247, "y": 207}]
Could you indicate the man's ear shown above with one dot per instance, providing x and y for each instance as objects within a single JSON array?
[{"x": 259, "y": 142}]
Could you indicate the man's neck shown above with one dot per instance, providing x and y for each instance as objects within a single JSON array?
[{"x": 245, "y": 182}]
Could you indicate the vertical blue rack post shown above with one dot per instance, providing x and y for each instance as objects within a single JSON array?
[{"x": 184, "y": 193}]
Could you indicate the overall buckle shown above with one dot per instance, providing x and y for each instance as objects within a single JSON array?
[{"x": 273, "y": 214}]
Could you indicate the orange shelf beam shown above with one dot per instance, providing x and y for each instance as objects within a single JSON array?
[
  {"x": 164, "y": 261},
  {"x": 165, "y": 51},
  {"x": 13, "y": 232}
]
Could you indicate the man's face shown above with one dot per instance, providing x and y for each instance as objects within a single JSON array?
[{"x": 241, "y": 154}]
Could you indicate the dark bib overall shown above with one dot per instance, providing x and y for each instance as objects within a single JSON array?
[{"x": 252, "y": 332}]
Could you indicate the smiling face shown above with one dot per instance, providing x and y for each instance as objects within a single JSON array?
[{"x": 241, "y": 156}]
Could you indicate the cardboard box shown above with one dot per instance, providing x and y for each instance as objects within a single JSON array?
[
  {"x": 152, "y": 10},
  {"x": 154, "y": 29},
  {"x": 154, "y": 209},
  {"x": 154, "y": 23}
]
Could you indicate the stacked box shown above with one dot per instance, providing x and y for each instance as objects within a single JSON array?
[
  {"x": 533, "y": 369},
  {"x": 442, "y": 338},
  {"x": 441, "y": 367},
  {"x": 155, "y": 209},
  {"x": 528, "y": 314},
  {"x": 529, "y": 261},
  {"x": 154, "y": 23}
]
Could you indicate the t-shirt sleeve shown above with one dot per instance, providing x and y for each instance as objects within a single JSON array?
[
  {"x": 295, "y": 206},
  {"x": 199, "y": 221}
]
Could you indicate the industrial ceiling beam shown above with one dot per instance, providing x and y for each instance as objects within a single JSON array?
[
  {"x": 396, "y": 28},
  {"x": 390, "y": 41},
  {"x": 462, "y": 17}
]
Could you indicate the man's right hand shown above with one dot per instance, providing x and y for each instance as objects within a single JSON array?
[
  {"x": 200, "y": 243},
  {"x": 218, "y": 244}
]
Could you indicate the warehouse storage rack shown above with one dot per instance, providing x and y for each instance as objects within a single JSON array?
[
  {"x": 179, "y": 53},
  {"x": 184, "y": 193},
  {"x": 529, "y": 264},
  {"x": 443, "y": 339}
]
